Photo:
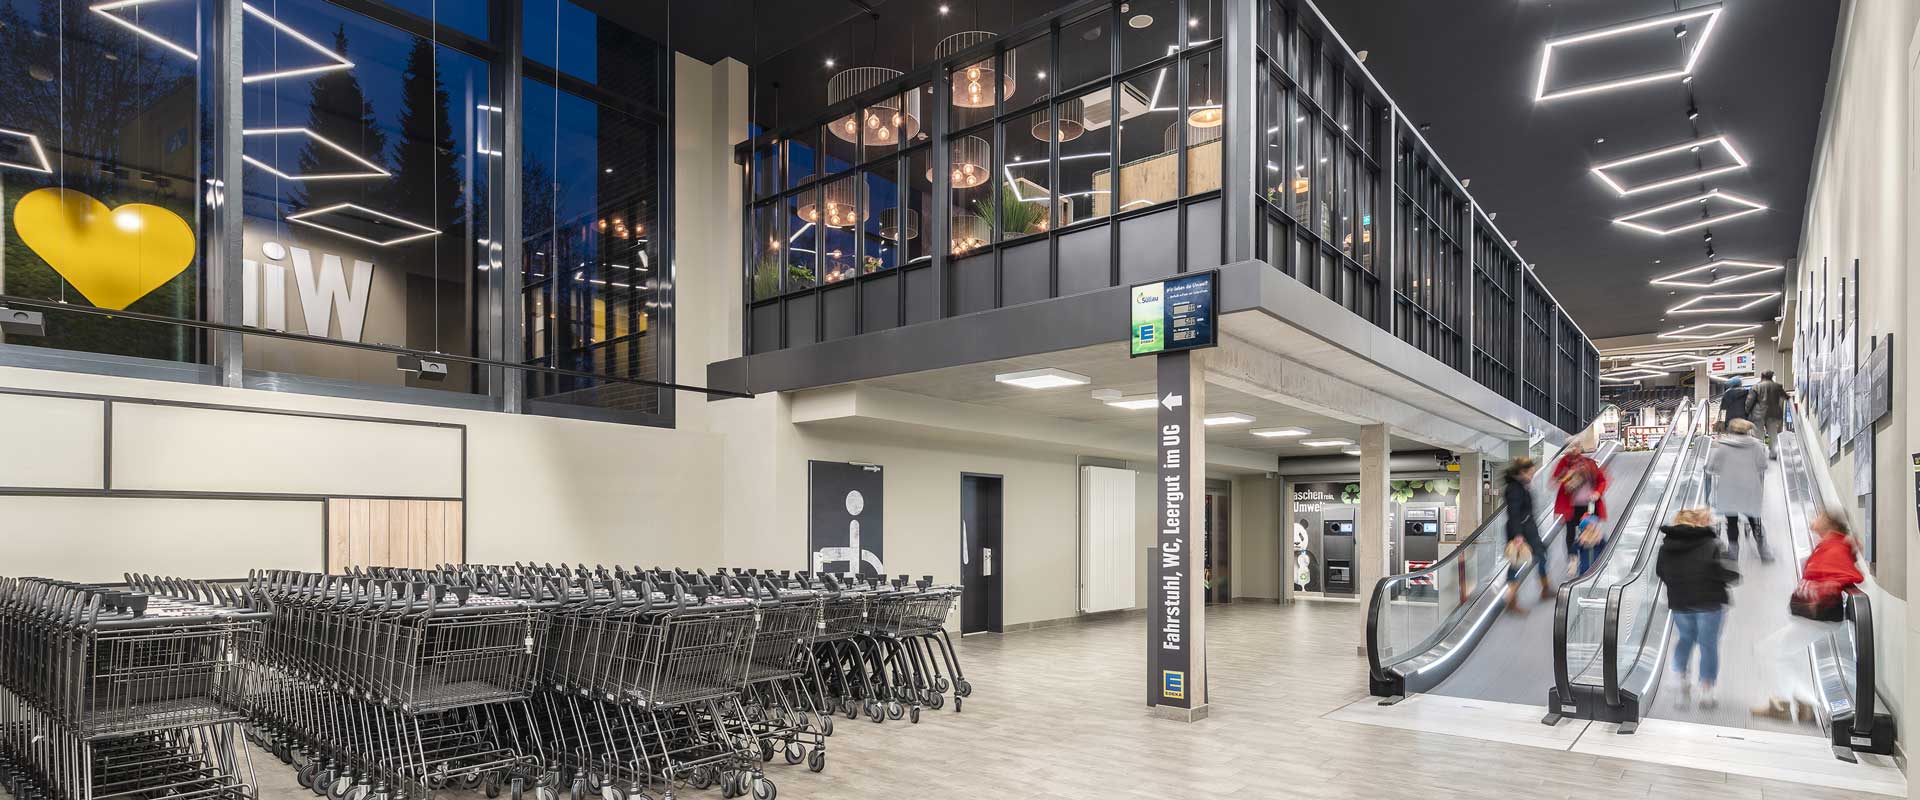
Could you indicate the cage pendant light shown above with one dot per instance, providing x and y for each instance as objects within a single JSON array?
[
  {"x": 973, "y": 84},
  {"x": 899, "y": 224},
  {"x": 969, "y": 156},
  {"x": 1073, "y": 122},
  {"x": 897, "y": 115},
  {"x": 837, "y": 210}
]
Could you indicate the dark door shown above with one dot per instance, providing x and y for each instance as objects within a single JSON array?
[{"x": 981, "y": 563}]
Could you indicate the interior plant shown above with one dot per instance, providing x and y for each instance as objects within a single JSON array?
[
  {"x": 766, "y": 275},
  {"x": 1015, "y": 217}
]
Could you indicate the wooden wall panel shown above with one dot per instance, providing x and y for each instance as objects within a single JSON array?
[{"x": 393, "y": 533}]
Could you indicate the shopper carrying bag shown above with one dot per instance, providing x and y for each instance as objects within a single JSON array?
[
  {"x": 1523, "y": 533},
  {"x": 1816, "y": 610},
  {"x": 1582, "y": 489}
]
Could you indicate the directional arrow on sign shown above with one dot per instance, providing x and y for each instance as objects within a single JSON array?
[{"x": 1173, "y": 401}]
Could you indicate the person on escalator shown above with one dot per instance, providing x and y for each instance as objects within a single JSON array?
[
  {"x": 1696, "y": 570},
  {"x": 1592, "y": 540},
  {"x": 1739, "y": 469},
  {"x": 1770, "y": 411},
  {"x": 1736, "y": 402},
  {"x": 1582, "y": 486},
  {"x": 1816, "y": 610},
  {"x": 1523, "y": 533}
]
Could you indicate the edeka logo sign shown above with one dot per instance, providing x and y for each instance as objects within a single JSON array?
[
  {"x": 1148, "y": 310},
  {"x": 325, "y": 290},
  {"x": 1173, "y": 685},
  {"x": 113, "y": 257}
]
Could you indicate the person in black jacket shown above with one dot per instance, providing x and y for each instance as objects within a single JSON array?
[
  {"x": 1523, "y": 525},
  {"x": 1695, "y": 568},
  {"x": 1736, "y": 403}
]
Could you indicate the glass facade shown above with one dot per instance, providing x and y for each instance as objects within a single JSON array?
[
  {"x": 374, "y": 160},
  {"x": 1090, "y": 147}
]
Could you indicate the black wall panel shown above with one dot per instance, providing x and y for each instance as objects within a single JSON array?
[{"x": 1023, "y": 273}]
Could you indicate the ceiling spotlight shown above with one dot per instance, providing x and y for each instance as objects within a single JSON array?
[
  {"x": 829, "y": 63},
  {"x": 1493, "y": 215},
  {"x": 943, "y": 8},
  {"x": 1679, "y": 31},
  {"x": 1687, "y": 80},
  {"x": 1227, "y": 418},
  {"x": 1426, "y": 126},
  {"x": 1360, "y": 56},
  {"x": 1466, "y": 182},
  {"x": 1601, "y": 140},
  {"x": 1048, "y": 378},
  {"x": 21, "y": 322},
  {"x": 427, "y": 370},
  {"x": 1693, "y": 112},
  {"x": 1709, "y": 236}
]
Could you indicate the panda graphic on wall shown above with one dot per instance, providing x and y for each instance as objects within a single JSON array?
[{"x": 844, "y": 513}]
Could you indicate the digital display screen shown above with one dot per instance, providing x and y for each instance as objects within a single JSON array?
[{"x": 1173, "y": 315}]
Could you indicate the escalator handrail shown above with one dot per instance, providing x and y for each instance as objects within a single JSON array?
[
  {"x": 1860, "y": 615},
  {"x": 1649, "y": 555},
  {"x": 1564, "y": 598},
  {"x": 1378, "y": 598}
]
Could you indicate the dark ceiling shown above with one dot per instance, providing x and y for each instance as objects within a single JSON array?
[{"x": 1469, "y": 71}]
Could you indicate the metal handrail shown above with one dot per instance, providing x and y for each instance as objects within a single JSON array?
[{"x": 1562, "y": 678}]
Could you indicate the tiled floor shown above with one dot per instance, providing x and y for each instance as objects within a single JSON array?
[{"x": 1059, "y": 713}]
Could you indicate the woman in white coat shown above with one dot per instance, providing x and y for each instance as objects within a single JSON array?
[{"x": 1739, "y": 469}]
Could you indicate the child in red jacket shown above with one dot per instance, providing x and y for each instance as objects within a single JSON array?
[{"x": 1830, "y": 570}]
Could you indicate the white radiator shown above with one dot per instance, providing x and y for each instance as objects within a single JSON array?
[{"x": 1107, "y": 544}]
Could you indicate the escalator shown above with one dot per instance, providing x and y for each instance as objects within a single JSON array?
[
  {"x": 1613, "y": 636},
  {"x": 1442, "y": 629}
]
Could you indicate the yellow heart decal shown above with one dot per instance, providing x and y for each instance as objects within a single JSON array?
[{"x": 113, "y": 257}]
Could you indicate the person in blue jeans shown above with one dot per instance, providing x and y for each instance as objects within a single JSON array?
[
  {"x": 1697, "y": 572},
  {"x": 1523, "y": 525},
  {"x": 1589, "y": 539}
]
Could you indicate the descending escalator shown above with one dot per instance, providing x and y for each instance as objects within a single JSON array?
[{"x": 1427, "y": 629}]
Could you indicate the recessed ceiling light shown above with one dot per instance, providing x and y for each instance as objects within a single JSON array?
[
  {"x": 1278, "y": 433},
  {"x": 1600, "y": 170},
  {"x": 1227, "y": 418},
  {"x": 1137, "y": 402},
  {"x": 1685, "y": 278},
  {"x": 1326, "y": 442},
  {"x": 1048, "y": 378},
  {"x": 1352, "y": 451},
  {"x": 829, "y": 63},
  {"x": 1710, "y": 330},
  {"x": 1751, "y": 208},
  {"x": 943, "y": 8},
  {"x": 1710, "y": 303},
  {"x": 1711, "y": 13},
  {"x": 1140, "y": 21}
]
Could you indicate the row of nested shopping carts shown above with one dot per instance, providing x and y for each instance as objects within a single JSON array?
[{"x": 394, "y": 684}]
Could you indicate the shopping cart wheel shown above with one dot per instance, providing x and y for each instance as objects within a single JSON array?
[
  {"x": 826, "y": 725},
  {"x": 913, "y": 714},
  {"x": 764, "y": 789},
  {"x": 795, "y": 752},
  {"x": 766, "y": 750},
  {"x": 874, "y": 711},
  {"x": 936, "y": 700},
  {"x": 700, "y": 778},
  {"x": 612, "y": 792},
  {"x": 962, "y": 688},
  {"x": 490, "y": 785},
  {"x": 303, "y": 775},
  {"x": 816, "y": 760},
  {"x": 940, "y": 685},
  {"x": 895, "y": 710},
  {"x": 956, "y": 704}
]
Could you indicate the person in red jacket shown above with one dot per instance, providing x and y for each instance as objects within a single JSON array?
[
  {"x": 1582, "y": 491},
  {"x": 1816, "y": 612}
]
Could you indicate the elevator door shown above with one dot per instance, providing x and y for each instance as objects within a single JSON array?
[{"x": 981, "y": 562}]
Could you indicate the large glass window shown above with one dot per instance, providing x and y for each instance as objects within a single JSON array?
[
  {"x": 912, "y": 225},
  {"x": 1205, "y": 116},
  {"x": 1086, "y": 51},
  {"x": 99, "y": 117},
  {"x": 879, "y": 220},
  {"x": 1301, "y": 169},
  {"x": 1323, "y": 176},
  {"x": 1086, "y": 158},
  {"x": 1149, "y": 30},
  {"x": 366, "y": 193},
  {"x": 1025, "y": 196},
  {"x": 970, "y": 175},
  {"x": 1149, "y": 140}
]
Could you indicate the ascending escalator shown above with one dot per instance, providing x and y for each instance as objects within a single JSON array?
[
  {"x": 1441, "y": 629},
  {"x": 1613, "y": 641}
]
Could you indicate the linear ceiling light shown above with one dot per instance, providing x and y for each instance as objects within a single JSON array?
[
  {"x": 306, "y": 218},
  {"x": 373, "y": 170},
  {"x": 1600, "y": 170},
  {"x": 1631, "y": 376},
  {"x": 1710, "y": 330},
  {"x": 1685, "y": 277},
  {"x": 1710, "y": 303},
  {"x": 1669, "y": 362},
  {"x": 1352, "y": 451},
  {"x": 105, "y": 9},
  {"x": 1279, "y": 433},
  {"x": 1711, "y": 13},
  {"x": 1634, "y": 371},
  {"x": 1137, "y": 402},
  {"x": 1048, "y": 378},
  {"x": 33, "y": 142},
  {"x": 1327, "y": 442},
  {"x": 338, "y": 62},
  {"x": 1227, "y": 418},
  {"x": 1751, "y": 208}
]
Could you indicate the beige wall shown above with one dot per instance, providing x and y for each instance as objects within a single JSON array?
[
  {"x": 540, "y": 489},
  {"x": 1865, "y": 203}
]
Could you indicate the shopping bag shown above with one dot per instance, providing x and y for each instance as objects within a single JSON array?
[{"x": 1518, "y": 552}]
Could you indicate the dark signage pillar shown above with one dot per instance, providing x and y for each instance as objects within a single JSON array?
[{"x": 1177, "y": 630}]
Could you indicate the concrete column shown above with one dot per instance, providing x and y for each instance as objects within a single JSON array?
[
  {"x": 1287, "y": 563},
  {"x": 1371, "y": 537},
  {"x": 1472, "y": 490}
]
